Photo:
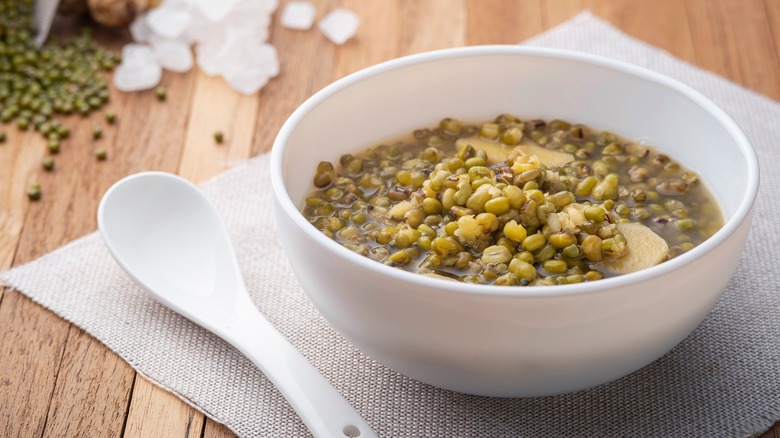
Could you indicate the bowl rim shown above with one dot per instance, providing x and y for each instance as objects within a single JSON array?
[{"x": 730, "y": 226}]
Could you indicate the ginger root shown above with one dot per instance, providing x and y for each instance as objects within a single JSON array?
[
  {"x": 497, "y": 152},
  {"x": 115, "y": 13},
  {"x": 645, "y": 249}
]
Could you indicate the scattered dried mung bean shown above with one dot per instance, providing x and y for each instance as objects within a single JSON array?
[
  {"x": 54, "y": 146},
  {"x": 37, "y": 83},
  {"x": 101, "y": 154},
  {"x": 34, "y": 191},
  {"x": 161, "y": 93}
]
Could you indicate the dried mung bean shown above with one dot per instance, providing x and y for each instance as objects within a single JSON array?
[{"x": 34, "y": 191}]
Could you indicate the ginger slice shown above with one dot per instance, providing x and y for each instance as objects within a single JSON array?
[
  {"x": 497, "y": 151},
  {"x": 645, "y": 249},
  {"x": 439, "y": 276}
]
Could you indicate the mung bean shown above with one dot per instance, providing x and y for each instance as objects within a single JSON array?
[{"x": 438, "y": 204}]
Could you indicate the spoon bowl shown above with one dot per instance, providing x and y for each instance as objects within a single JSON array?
[{"x": 171, "y": 241}]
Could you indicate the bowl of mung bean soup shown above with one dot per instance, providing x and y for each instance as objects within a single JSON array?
[{"x": 512, "y": 221}]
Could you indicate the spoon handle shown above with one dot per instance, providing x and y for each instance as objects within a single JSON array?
[{"x": 324, "y": 411}]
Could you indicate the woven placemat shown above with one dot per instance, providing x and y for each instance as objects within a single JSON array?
[{"x": 722, "y": 381}]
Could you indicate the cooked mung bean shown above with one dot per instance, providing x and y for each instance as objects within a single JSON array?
[{"x": 508, "y": 202}]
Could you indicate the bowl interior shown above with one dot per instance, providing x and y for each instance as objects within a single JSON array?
[{"x": 479, "y": 83}]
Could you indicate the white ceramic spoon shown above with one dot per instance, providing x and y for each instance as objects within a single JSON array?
[{"x": 170, "y": 239}]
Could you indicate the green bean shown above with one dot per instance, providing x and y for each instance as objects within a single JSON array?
[
  {"x": 474, "y": 162},
  {"x": 406, "y": 237},
  {"x": 347, "y": 232},
  {"x": 431, "y": 206},
  {"x": 534, "y": 242},
  {"x": 448, "y": 199},
  {"x": 512, "y": 135},
  {"x": 451, "y": 126},
  {"x": 515, "y": 231},
  {"x": 385, "y": 236},
  {"x": 562, "y": 240},
  {"x": 572, "y": 251},
  {"x": 508, "y": 279},
  {"x": 526, "y": 256},
  {"x": 511, "y": 222},
  {"x": 489, "y": 130},
  {"x": 463, "y": 193},
  {"x": 398, "y": 258},
  {"x": 53, "y": 146},
  {"x": 545, "y": 253},
  {"x": 498, "y": 205},
  {"x": 446, "y": 246},
  {"x": 496, "y": 254},
  {"x": 34, "y": 191},
  {"x": 555, "y": 266},
  {"x": 591, "y": 247},
  {"x": 358, "y": 218},
  {"x": 685, "y": 224}
]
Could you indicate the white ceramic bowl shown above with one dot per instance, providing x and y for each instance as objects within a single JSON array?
[{"x": 522, "y": 341}]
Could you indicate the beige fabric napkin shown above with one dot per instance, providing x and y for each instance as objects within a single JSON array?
[{"x": 723, "y": 380}]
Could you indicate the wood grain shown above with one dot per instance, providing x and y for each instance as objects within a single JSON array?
[
  {"x": 304, "y": 56},
  {"x": 157, "y": 413},
  {"x": 92, "y": 390},
  {"x": 734, "y": 39},
  {"x": 32, "y": 341},
  {"x": 663, "y": 23},
  {"x": 149, "y": 139},
  {"x": 216, "y": 430},
  {"x": 519, "y": 20},
  {"x": 430, "y": 25},
  {"x": 20, "y": 155},
  {"x": 56, "y": 380},
  {"x": 216, "y": 107},
  {"x": 772, "y": 8}
]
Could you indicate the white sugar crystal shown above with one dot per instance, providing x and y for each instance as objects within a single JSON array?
[
  {"x": 245, "y": 18},
  {"x": 209, "y": 56},
  {"x": 173, "y": 55},
  {"x": 138, "y": 70},
  {"x": 248, "y": 81},
  {"x": 250, "y": 17},
  {"x": 268, "y": 6},
  {"x": 255, "y": 8},
  {"x": 339, "y": 25},
  {"x": 137, "y": 53},
  {"x": 264, "y": 58},
  {"x": 140, "y": 30},
  {"x": 298, "y": 15},
  {"x": 229, "y": 38},
  {"x": 169, "y": 21},
  {"x": 135, "y": 79},
  {"x": 220, "y": 52},
  {"x": 202, "y": 29},
  {"x": 213, "y": 10},
  {"x": 259, "y": 64}
]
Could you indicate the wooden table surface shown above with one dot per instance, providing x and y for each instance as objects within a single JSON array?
[{"x": 56, "y": 380}]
